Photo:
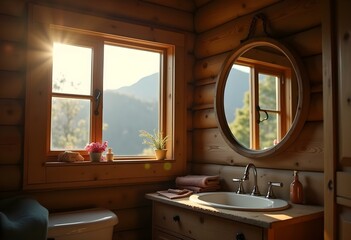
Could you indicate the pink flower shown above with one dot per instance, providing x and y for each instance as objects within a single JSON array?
[{"x": 96, "y": 147}]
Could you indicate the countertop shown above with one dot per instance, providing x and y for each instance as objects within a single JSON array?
[{"x": 296, "y": 213}]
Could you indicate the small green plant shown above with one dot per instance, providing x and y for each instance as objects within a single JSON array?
[{"x": 155, "y": 140}]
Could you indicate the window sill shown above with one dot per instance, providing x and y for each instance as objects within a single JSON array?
[{"x": 118, "y": 161}]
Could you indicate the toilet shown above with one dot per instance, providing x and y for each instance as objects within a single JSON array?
[{"x": 89, "y": 224}]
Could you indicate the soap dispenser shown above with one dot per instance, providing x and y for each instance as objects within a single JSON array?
[{"x": 296, "y": 190}]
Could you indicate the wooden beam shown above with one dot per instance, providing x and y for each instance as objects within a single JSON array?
[{"x": 208, "y": 16}]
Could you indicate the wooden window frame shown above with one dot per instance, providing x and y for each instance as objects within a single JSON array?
[
  {"x": 38, "y": 173},
  {"x": 284, "y": 96},
  {"x": 96, "y": 42}
]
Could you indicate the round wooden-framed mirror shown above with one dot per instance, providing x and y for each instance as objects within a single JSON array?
[{"x": 262, "y": 98}]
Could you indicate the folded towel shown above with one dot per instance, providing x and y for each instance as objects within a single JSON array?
[
  {"x": 201, "y": 189},
  {"x": 175, "y": 193},
  {"x": 197, "y": 180}
]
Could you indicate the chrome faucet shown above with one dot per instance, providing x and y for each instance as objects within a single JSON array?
[
  {"x": 240, "y": 186},
  {"x": 255, "y": 190}
]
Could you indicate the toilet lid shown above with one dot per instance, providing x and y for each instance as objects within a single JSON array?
[{"x": 74, "y": 222}]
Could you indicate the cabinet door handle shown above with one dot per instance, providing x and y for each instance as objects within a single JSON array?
[
  {"x": 176, "y": 218},
  {"x": 330, "y": 185},
  {"x": 240, "y": 236}
]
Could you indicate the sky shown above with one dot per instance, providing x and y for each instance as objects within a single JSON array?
[
  {"x": 124, "y": 66},
  {"x": 241, "y": 68}
]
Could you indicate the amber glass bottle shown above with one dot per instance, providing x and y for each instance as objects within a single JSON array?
[
  {"x": 109, "y": 155},
  {"x": 296, "y": 190}
]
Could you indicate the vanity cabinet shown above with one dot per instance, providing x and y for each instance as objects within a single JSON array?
[
  {"x": 170, "y": 222},
  {"x": 161, "y": 234},
  {"x": 185, "y": 220}
]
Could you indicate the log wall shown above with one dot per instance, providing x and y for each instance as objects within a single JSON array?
[
  {"x": 295, "y": 23},
  {"x": 127, "y": 199}
]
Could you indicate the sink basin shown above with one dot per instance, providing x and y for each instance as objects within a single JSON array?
[{"x": 234, "y": 201}]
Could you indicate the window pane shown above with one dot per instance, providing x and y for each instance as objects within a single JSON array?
[
  {"x": 237, "y": 103},
  {"x": 70, "y": 123},
  {"x": 71, "y": 71},
  {"x": 268, "y": 131},
  {"x": 131, "y": 98},
  {"x": 268, "y": 91}
]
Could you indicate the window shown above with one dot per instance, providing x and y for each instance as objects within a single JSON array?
[
  {"x": 262, "y": 120},
  {"x": 125, "y": 98},
  {"x": 93, "y": 46}
]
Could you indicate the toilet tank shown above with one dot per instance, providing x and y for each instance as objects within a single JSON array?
[{"x": 89, "y": 224}]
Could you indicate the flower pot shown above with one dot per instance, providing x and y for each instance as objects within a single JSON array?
[
  {"x": 95, "y": 156},
  {"x": 160, "y": 154}
]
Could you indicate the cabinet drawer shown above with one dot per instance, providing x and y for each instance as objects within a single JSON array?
[
  {"x": 158, "y": 234},
  {"x": 200, "y": 226}
]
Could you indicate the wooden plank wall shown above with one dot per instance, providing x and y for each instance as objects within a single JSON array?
[
  {"x": 293, "y": 22},
  {"x": 12, "y": 93},
  {"x": 127, "y": 200}
]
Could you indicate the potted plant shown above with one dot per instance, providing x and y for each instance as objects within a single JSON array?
[
  {"x": 156, "y": 141},
  {"x": 95, "y": 150}
]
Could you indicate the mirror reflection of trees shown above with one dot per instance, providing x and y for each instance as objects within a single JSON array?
[
  {"x": 240, "y": 126},
  {"x": 268, "y": 130}
]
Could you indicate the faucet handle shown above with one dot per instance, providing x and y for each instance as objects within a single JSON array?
[
  {"x": 240, "y": 187},
  {"x": 270, "y": 193}
]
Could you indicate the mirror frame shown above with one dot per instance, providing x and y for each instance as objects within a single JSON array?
[{"x": 302, "y": 104}]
